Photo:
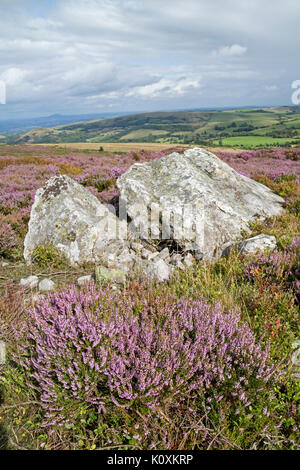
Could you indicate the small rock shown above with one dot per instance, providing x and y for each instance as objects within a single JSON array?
[
  {"x": 176, "y": 259},
  {"x": 137, "y": 246},
  {"x": 296, "y": 359},
  {"x": 188, "y": 260},
  {"x": 146, "y": 253},
  {"x": 4, "y": 264},
  {"x": 180, "y": 265},
  {"x": 2, "y": 353},
  {"x": 125, "y": 259},
  {"x": 29, "y": 282},
  {"x": 158, "y": 270},
  {"x": 46, "y": 285},
  {"x": 84, "y": 280},
  {"x": 114, "y": 275},
  {"x": 261, "y": 242},
  {"x": 37, "y": 297},
  {"x": 153, "y": 255},
  {"x": 165, "y": 254}
]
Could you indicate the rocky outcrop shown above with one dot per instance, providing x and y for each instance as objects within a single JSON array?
[
  {"x": 204, "y": 202},
  {"x": 181, "y": 207}
]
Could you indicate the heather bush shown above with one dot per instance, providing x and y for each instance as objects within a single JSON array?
[
  {"x": 8, "y": 239},
  {"x": 12, "y": 311},
  {"x": 268, "y": 303},
  {"x": 93, "y": 350},
  {"x": 280, "y": 267}
]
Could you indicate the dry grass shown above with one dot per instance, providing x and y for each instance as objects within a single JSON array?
[
  {"x": 126, "y": 147},
  {"x": 111, "y": 146}
]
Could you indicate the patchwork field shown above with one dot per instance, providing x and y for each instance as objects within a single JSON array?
[
  {"x": 70, "y": 382},
  {"x": 248, "y": 128}
]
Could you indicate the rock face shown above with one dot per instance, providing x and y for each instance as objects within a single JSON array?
[
  {"x": 71, "y": 219},
  {"x": 195, "y": 184}
]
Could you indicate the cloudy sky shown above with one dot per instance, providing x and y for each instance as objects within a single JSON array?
[{"x": 90, "y": 56}]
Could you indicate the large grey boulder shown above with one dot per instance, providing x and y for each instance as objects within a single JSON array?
[
  {"x": 70, "y": 218},
  {"x": 214, "y": 202}
]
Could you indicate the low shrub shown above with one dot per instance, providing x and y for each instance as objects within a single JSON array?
[
  {"x": 47, "y": 256},
  {"x": 100, "y": 182},
  {"x": 8, "y": 239},
  {"x": 280, "y": 267},
  {"x": 92, "y": 352}
]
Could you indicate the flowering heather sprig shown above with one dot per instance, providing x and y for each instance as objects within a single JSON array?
[
  {"x": 279, "y": 266},
  {"x": 95, "y": 348},
  {"x": 8, "y": 239},
  {"x": 252, "y": 162}
]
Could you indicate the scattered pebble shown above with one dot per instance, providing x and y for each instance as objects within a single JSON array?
[
  {"x": 2, "y": 353},
  {"x": 46, "y": 285},
  {"x": 30, "y": 282},
  {"x": 84, "y": 280}
]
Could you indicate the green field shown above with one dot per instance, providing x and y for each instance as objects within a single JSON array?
[
  {"x": 255, "y": 141},
  {"x": 295, "y": 123}
]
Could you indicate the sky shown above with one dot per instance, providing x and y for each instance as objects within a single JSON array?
[{"x": 90, "y": 56}]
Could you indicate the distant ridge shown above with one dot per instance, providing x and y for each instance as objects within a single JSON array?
[
  {"x": 238, "y": 127},
  {"x": 9, "y": 126}
]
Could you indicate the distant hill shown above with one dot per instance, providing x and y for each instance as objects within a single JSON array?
[
  {"x": 14, "y": 126},
  {"x": 249, "y": 128}
]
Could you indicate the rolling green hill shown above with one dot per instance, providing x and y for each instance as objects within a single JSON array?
[{"x": 249, "y": 128}]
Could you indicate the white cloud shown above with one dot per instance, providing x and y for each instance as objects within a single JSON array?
[
  {"x": 13, "y": 76},
  {"x": 230, "y": 51},
  {"x": 135, "y": 54},
  {"x": 271, "y": 87},
  {"x": 165, "y": 87}
]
